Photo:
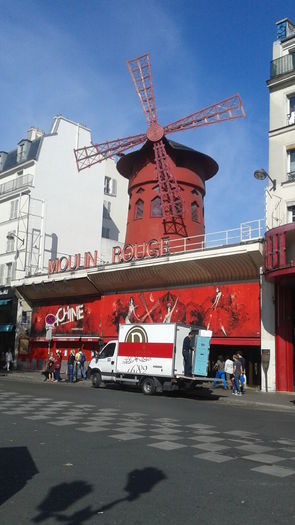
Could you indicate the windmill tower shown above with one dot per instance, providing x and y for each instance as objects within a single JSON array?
[{"x": 166, "y": 179}]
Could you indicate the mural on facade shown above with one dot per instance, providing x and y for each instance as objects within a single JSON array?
[{"x": 228, "y": 310}]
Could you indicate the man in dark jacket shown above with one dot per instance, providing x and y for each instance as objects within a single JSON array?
[
  {"x": 71, "y": 362},
  {"x": 187, "y": 349}
]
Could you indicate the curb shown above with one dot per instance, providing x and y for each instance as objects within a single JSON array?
[{"x": 256, "y": 404}]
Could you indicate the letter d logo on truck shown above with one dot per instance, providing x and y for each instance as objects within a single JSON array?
[{"x": 137, "y": 334}]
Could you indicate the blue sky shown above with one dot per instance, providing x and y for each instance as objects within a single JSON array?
[{"x": 69, "y": 57}]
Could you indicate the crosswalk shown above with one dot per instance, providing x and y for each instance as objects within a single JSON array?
[{"x": 204, "y": 442}]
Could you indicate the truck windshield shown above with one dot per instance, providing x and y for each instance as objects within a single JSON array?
[{"x": 108, "y": 351}]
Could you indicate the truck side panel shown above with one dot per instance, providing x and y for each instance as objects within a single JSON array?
[
  {"x": 146, "y": 349},
  {"x": 145, "y": 358}
]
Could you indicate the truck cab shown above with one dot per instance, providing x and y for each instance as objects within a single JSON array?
[{"x": 102, "y": 367}]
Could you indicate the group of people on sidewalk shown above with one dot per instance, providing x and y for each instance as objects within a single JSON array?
[
  {"x": 75, "y": 367},
  {"x": 232, "y": 372}
]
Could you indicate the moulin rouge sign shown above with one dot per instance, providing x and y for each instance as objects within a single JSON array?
[{"x": 127, "y": 253}]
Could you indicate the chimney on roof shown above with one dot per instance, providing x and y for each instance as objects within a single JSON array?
[
  {"x": 285, "y": 29},
  {"x": 3, "y": 156},
  {"x": 34, "y": 133}
]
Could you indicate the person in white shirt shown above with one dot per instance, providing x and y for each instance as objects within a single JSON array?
[
  {"x": 8, "y": 360},
  {"x": 229, "y": 370}
]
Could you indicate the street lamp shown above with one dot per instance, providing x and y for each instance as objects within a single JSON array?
[
  {"x": 10, "y": 236},
  {"x": 261, "y": 174}
]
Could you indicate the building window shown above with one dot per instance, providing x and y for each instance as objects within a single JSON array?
[
  {"x": 139, "y": 209},
  {"x": 105, "y": 233},
  {"x": 110, "y": 186},
  {"x": 156, "y": 207},
  {"x": 291, "y": 110},
  {"x": 2, "y": 266},
  {"x": 291, "y": 165},
  {"x": 195, "y": 209},
  {"x": 291, "y": 213},
  {"x": 106, "y": 210},
  {"x": 10, "y": 271},
  {"x": 14, "y": 209},
  {"x": 10, "y": 242}
]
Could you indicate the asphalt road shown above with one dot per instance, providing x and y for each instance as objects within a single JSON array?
[{"x": 107, "y": 456}]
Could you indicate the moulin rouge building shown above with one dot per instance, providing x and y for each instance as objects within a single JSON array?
[{"x": 169, "y": 270}]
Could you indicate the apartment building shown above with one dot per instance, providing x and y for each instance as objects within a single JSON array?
[{"x": 48, "y": 209}]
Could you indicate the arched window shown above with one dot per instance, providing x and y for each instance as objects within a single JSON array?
[
  {"x": 195, "y": 211},
  {"x": 156, "y": 207},
  {"x": 139, "y": 209}
]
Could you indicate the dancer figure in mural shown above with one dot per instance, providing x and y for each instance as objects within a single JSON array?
[
  {"x": 187, "y": 350},
  {"x": 131, "y": 312},
  {"x": 168, "y": 316},
  {"x": 214, "y": 306}
]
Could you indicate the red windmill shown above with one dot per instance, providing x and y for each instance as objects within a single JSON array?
[{"x": 170, "y": 165}]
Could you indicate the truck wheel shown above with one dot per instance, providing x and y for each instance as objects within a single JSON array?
[
  {"x": 148, "y": 386},
  {"x": 96, "y": 379}
]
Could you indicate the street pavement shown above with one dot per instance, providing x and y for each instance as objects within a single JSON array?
[
  {"x": 282, "y": 401},
  {"x": 74, "y": 454}
]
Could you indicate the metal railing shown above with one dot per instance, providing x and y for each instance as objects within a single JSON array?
[
  {"x": 16, "y": 184},
  {"x": 282, "y": 65},
  {"x": 248, "y": 231}
]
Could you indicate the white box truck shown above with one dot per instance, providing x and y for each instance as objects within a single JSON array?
[{"x": 150, "y": 356}]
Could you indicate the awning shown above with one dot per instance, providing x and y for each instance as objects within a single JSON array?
[
  {"x": 4, "y": 302},
  {"x": 233, "y": 263},
  {"x": 6, "y": 327}
]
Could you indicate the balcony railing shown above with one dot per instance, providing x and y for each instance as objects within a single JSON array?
[
  {"x": 16, "y": 184},
  {"x": 248, "y": 231},
  {"x": 282, "y": 65}
]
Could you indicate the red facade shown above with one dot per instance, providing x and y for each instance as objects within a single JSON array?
[
  {"x": 145, "y": 220},
  {"x": 230, "y": 311}
]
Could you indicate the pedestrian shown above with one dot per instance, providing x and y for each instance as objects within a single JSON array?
[
  {"x": 229, "y": 370},
  {"x": 237, "y": 375},
  {"x": 8, "y": 360},
  {"x": 57, "y": 366},
  {"x": 82, "y": 363},
  {"x": 77, "y": 365},
  {"x": 220, "y": 373},
  {"x": 71, "y": 363},
  {"x": 243, "y": 371},
  {"x": 187, "y": 350},
  {"x": 50, "y": 367}
]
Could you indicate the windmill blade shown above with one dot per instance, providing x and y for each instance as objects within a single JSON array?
[
  {"x": 89, "y": 155},
  {"x": 227, "y": 109},
  {"x": 170, "y": 193},
  {"x": 141, "y": 74}
]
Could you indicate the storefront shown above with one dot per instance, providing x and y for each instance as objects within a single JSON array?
[{"x": 218, "y": 290}]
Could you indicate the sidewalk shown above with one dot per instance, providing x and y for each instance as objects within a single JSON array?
[{"x": 275, "y": 401}]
